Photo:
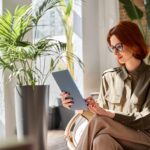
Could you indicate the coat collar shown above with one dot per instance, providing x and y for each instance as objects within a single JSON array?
[{"x": 139, "y": 70}]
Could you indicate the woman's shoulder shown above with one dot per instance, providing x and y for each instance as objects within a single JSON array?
[{"x": 115, "y": 70}]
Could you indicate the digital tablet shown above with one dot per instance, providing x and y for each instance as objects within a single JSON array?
[{"x": 66, "y": 83}]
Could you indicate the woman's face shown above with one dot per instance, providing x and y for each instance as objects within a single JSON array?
[{"x": 122, "y": 52}]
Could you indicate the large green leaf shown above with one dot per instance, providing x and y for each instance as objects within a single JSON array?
[
  {"x": 132, "y": 10},
  {"x": 147, "y": 8},
  {"x": 14, "y": 27}
]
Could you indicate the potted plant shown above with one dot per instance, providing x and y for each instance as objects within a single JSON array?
[{"x": 20, "y": 57}]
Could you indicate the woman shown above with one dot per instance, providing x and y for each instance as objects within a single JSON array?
[{"x": 122, "y": 111}]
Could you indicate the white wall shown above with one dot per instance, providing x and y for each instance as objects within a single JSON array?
[
  {"x": 90, "y": 45},
  {"x": 108, "y": 17},
  {"x": 98, "y": 16},
  {"x": 11, "y": 4}
]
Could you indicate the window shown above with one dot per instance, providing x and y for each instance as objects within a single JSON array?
[{"x": 51, "y": 24}]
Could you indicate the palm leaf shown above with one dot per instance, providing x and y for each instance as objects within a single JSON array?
[
  {"x": 147, "y": 8},
  {"x": 13, "y": 28},
  {"x": 43, "y": 8},
  {"x": 6, "y": 30}
]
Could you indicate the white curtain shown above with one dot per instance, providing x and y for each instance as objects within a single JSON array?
[
  {"x": 2, "y": 117},
  {"x": 2, "y": 110}
]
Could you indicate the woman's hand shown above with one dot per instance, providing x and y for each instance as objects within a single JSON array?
[
  {"x": 95, "y": 108},
  {"x": 66, "y": 99}
]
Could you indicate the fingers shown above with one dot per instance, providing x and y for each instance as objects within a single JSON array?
[
  {"x": 67, "y": 100},
  {"x": 90, "y": 101},
  {"x": 68, "y": 104},
  {"x": 91, "y": 109},
  {"x": 94, "y": 108},
  {"x": 64, "y": 95}
]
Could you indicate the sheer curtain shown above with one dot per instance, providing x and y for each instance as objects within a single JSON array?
[
  {"x": 2, "y": 108},
  {"x": 2, "y": 117}
]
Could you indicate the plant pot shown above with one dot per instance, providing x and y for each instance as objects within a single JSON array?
[
  {"x": 54, "y": 118},
  {"x": 32, "y": 114}
]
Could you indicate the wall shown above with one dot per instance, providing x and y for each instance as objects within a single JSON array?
[
  {"x": 11, "y": 4},
  {"x": 98, "y": 16},
  {"x": 90, "y": 45},
  {"x": 108, "y": 17}
]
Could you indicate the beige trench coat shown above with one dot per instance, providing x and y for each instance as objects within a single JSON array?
[{"x": 129, "y": 96}]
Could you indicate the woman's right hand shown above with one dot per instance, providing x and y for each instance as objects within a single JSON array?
[{"x": 66, "y": 99}]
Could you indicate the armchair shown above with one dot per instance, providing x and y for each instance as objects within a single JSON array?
[{"x": 77, "y": 125}]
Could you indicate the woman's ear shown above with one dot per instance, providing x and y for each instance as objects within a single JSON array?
[{"x": 135, "y": 50}]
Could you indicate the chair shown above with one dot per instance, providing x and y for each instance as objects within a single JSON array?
[{"x": 77, "y": 125}]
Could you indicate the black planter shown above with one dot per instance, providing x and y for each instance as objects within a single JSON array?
[
  {"x": 32, "y": 114},
  {"x": 54, "y": 118}
]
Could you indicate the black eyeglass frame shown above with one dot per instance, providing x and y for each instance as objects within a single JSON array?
[{"x": 118, "y": 47}]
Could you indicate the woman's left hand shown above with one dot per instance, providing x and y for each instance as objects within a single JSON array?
[{"x": 95, "y": 108}]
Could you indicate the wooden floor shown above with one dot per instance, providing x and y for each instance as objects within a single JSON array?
[{"x": 56, "y": 140}]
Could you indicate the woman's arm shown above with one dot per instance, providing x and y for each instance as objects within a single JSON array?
[{"x": 137, "y": 120}]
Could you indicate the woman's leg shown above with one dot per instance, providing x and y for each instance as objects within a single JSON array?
[
  {"x": 132, "y": 146},
  {"x": 100, "y": 125},
  {"x": 105, "y": 142}
]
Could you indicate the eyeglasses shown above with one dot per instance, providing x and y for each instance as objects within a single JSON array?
[{"x": 118, "y": 47}]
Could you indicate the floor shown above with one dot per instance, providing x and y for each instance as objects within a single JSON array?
[{"x": 56, "y": 140}]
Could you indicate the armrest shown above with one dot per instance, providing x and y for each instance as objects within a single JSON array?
[
  {"x": 68, "y": 131},
  {"x": 94, "y": 95}
]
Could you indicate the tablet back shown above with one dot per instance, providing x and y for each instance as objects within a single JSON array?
[{"x": 66, "y": 83}]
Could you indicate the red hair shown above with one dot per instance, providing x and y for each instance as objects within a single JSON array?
[{"x": 129, "y": 34}]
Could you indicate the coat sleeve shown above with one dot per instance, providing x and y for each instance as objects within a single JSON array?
[
  {"x": 138, "y": 120},
  {"x": 101, "y": 97}
]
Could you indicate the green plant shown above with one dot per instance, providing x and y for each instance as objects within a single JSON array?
[
  {"x": 20, "y": 56},
  {"x": 66, "y": 16}
]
